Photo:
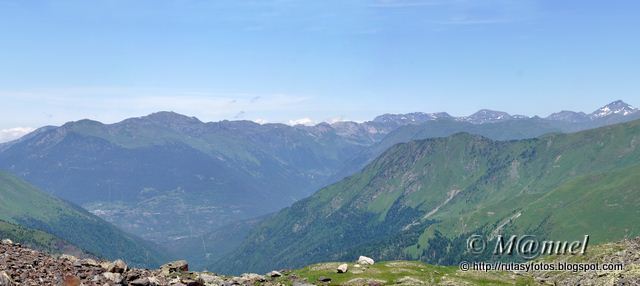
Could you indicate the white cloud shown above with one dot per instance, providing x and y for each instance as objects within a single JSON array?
[
  {"x": 336, "y": 119},
  {"x": 13, "y": 133},
  {"x": 260, "y": 121},
  {"x": 302, "y": 121}
]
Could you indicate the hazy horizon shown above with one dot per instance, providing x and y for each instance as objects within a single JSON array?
[{"x": 17, "y": 132}]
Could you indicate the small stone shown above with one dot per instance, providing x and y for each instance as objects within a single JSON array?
[
  {"x": 343, "y": 268},
  {"x": 89, "y": 262},
  {"x": 252, "y": 277},
  {"x": 175, "y": 266},
  {"x": 113, "y": 277},
  {"x": 119, "y": 266},
  {"x": 107, "y": 266},
  {"x": 191, "y": 282},
  {"x": 154, "y": 281},
  {"x": 324, "y": 279},
  {"x": 140, "y": 282},
  {"x": 7, "y": 241},
  {"x": 210, "y": 278},
  {"x": 132, "y": 275},
  {"x": 68, "y": 257},
  {"x": 274, "y": 274}
]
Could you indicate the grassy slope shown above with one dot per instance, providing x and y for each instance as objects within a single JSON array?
[
  {"x": 21, "y": 203},
  {"x": 37, "y": 239},
  {"x": 592, "y": 171},
  {"x": 409, "y": 272},
  {"x": 392, "y": 272},
  {"x": 603, "y": 205}
]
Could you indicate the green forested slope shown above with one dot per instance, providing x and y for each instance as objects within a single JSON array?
[
  {"x": 22, "y": 204},
  {"x": 37, "y": 239},
  {"x": 422, "y": 199}
]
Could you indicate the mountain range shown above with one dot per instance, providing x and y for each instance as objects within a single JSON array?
[
  {"x": 176, "y": 180},
  {"x": 421, "y": 200},
  {"x": 613, "y": 112}
]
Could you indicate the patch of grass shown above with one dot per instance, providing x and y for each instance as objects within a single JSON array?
[{"x": 409, "y": 272}]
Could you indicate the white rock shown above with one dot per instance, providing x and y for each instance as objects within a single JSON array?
[
  {"x": 154, "y": 281},
  {"x": 5, "y": 279},
  {"x": 106, "y": 265},
  {"x": 113, "y": 277},
  {"x": 274, "y": 274},
  {"x": 7, "y": 241},
  {"x": 363, "y": 260},
  {"x": 343, "y": 268},
  {"x": 119, "y": 266}
]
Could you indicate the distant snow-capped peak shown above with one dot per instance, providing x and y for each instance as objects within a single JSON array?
[{"x": 618, "y": 107}]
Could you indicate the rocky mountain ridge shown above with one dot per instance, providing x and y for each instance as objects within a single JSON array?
[{"x": 616, "y": 108}]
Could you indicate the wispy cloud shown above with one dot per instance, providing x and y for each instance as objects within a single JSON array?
[
  {"x": 465, "y": 20},
  {"x": 465, "y": 12},
  {"x": 10, "y": 134},
  {"x": 407, "y": 3},
  {"x": 112, "y": 104},
  {"x": 239, "y": 115}
]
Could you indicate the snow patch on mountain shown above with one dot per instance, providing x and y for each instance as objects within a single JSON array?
[{"x": 618, "y": 107}]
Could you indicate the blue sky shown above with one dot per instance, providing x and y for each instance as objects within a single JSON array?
[{"x": 282, "y": 60}]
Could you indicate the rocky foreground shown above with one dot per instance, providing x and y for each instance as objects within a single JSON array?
[
  {"x": 20, "y": 265},
  {"x": 23, "y": 266}
]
